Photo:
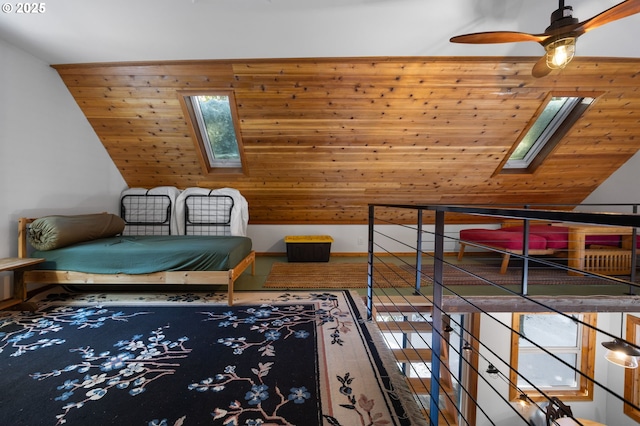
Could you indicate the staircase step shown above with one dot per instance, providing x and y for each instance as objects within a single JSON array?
[
  {"x": 402, "y": 300},
  {"x": 412, "y": 355},
  {"x": 423, "y": 386},
  {"x": 404, "y": 326},
  {"x": 402, "y": 309}
]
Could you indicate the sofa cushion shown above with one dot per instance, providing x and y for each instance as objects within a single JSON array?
[
  {"x": 556, "y": 236},
  {"x": 502, "y": 239}
]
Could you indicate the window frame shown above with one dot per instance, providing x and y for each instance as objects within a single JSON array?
[
  {"x": 200, "y": 142},
  {"x": 553, "y": 136},
  {"x": 584, "y": 391}
]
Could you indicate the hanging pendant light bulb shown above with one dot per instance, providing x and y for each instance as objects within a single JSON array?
[
  {"x": 560, "y": 52},
  {"x": 621, "y": 353},
  {"x": 523, "y": 400}
]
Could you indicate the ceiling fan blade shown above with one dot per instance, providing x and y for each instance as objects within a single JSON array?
[
  {"x": 619, "y": 11},
  {"x": 540, "y": 69},
  {"x": 498, "y": 37}
]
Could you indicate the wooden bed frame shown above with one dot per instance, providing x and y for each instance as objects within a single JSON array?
[{"x": 227, "y": 277}]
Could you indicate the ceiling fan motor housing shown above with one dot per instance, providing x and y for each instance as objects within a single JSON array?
[{"x": 561, "y": 18}]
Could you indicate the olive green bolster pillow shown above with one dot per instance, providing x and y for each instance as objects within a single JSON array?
[{"x": 51, "y": 232}]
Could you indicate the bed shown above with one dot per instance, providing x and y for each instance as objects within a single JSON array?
[{"x": 142, "y": 249}]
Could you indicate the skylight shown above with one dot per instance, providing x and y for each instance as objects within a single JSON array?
[
  {"x": 214, "y": 123},
  {"x": 557, "y": 117}
]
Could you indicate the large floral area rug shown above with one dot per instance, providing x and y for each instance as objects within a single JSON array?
[{"x": 295, "y": 358}]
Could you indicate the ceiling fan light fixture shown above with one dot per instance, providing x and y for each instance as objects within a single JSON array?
[
  {"x": 622, "y": 354},
  {"x": 560, "y": 52}
]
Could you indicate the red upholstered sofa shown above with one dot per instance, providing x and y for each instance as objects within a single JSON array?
[{"x": 544, "y": 239}]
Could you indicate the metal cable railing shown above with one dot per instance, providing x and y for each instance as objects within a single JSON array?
[{"x": 458, "y": 289}]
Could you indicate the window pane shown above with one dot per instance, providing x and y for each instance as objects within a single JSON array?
[
  {"x": 566, "y": 348},
  {"x": 389, "y": 317},
  {"x": 538, "y": 127},
  {"x": 549, "y": 331},
  {"x": 420, "y": 317},
  {"x": 420, "y": 340},
  {"x": 418, "y": 369},
  {"x": 217, "y": 126},
  {"x": 557, "y": 117},
  {"x": 394, "y": 340},
  {"x": 545, "y": 371}
]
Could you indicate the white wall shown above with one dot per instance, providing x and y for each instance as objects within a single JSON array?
[
  {"x": 621, "y": 187},
  {"x": 51, "y": 161}
]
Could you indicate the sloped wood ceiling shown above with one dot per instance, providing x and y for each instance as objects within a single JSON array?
[{"x": 325, "y": 137}]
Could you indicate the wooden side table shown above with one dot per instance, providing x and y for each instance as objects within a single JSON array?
[
  {"x": 614, "y": 261},
  {"x": 18, "y": 266}
]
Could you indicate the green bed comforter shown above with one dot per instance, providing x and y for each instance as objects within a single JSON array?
[{"x": 147, "y": 254}]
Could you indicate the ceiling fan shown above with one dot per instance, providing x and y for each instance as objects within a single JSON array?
[{"x": 559, "y": 39}]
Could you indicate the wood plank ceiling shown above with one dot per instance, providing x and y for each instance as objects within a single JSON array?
[{"x": 325, "y": 137}]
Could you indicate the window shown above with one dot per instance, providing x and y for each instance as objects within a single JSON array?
[
  {"x": 213, "y": 119},
  {"x": 547, "y": 129},
  {"x": 570, "y": 341}
]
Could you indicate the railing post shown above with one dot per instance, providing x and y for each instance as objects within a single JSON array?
[
  {"x": 634, "y": 239},
  {"x": 370, "y": 266},
  {"x": 419, "y": 253},
  {"x": 525, "y": 257},
  {"x": 436, "y": 317}
]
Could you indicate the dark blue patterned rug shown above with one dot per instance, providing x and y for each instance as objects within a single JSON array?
[{"x": 286, "y": 359}]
